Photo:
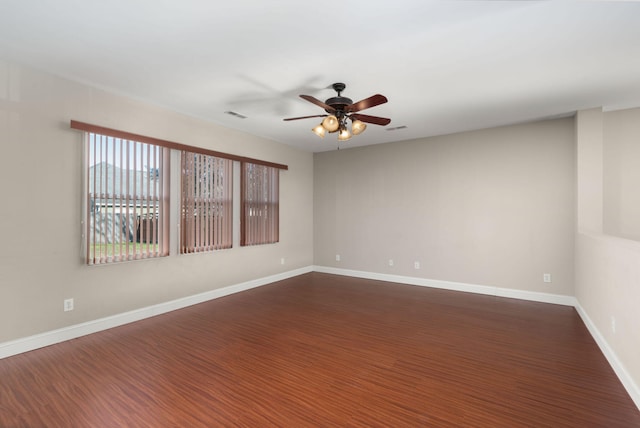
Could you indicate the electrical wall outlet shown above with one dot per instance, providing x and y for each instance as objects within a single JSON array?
[
  {"x": 68, "y": 305},
  {"x": 546, "y": 277},
  {"x": 416, "y": 265},
  {"x": 337, "y": 257},
  {"x": 390, "y": 262},
  {"x": 282, "y": 261},
  {"x": 613, "y": 324}
]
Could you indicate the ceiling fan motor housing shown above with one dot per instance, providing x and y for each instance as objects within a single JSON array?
[
  {"x": 344, "y": 108},
  {"x": 338, "y": 103}
]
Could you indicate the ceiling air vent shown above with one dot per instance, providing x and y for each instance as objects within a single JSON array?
[
  {"x": 233, "y": 113},
  {"x": 395, "y": 128}
]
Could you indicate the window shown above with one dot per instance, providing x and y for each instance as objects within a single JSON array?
[
  {"x": 127, "y": 196},
  {"x": 206, "y": 203},
  {"x": 260, "y": 204},
  {"x": 127, "y": 181}
]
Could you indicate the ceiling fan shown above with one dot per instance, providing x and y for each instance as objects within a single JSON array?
[{"x": 341, "y": 109}]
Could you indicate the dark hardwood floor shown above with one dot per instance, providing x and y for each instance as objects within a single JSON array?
[{"x": 328, "y": 351}]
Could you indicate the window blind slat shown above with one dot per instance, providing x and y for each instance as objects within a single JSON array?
[
  {"x": 119, "y": 192},
  {"x": 112, "y": 199},
  {"x": 148, "y": 217},
  {"x": 130, "y": 224}
]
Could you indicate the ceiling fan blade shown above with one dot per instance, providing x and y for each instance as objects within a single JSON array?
[
  {"x": 306, "y": 117},
  {"x": 372, "y": 101},
  {"x": 371, "y": 119},
  {"x": 317, "y": 102}
]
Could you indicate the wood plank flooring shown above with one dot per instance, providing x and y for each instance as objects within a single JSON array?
[{"x": 328, "y": 351}]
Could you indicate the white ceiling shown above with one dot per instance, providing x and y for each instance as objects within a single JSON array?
[{"x": 445, "y": 66}]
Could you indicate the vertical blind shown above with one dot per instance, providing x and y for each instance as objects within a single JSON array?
[
  {"x": 206, "y": 203},
  {"x": 260, "y": 204},
  {"x": 127, "y": 199}
]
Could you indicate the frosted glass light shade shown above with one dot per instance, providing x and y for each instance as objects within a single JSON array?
[
  {"x": 358, "y": 127},
  {"x": 319, "y": 131},
  {"x": 331, "y": 123},
  {"x": 344, "y": 134}
]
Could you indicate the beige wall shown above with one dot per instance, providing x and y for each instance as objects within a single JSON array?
[
  {"x": 492, "y": 207},
  {"x": 589, "y": 192},
  {"x": 622, "y": 173},
  {"x": 607, "y": 267},
  {"x": 40, "y": 183}
]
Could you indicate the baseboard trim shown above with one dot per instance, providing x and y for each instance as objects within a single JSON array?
[
  {"x": 626, "y": 380},
  {"x": 30, "y": 343},
  {"x": 52, "y": 337},
  {"x": 617, "y": 366},
  {"x": 557, "y": 299}
]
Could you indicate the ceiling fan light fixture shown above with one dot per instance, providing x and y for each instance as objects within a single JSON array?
[
  {"x": 358, "y": 127},
  {"x": 319, "y": 131},
  {"x": 331, "y": 123},
  {"x": 340, "y": 110},
  {"x": 344, "y": 134}
]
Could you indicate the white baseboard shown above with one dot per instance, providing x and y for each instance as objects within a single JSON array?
[
  {"x": 52, "y": 337},
  {"x": 30, "y": 343},
  {"x": 557, "y": 299},
  {"x": 627, "y": 381}
]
